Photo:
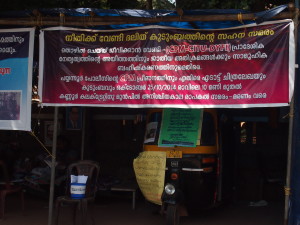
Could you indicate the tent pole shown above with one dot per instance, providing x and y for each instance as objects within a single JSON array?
[
  {"x": 287, "y": 187},
  {"x": 51, "y": 196},
  {"x": 83, "y": 136}
]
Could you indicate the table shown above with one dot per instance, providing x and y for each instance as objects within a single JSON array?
[{"x": 125, "y": 188}]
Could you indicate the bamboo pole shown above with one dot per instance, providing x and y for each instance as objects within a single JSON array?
[
  {"x": 287, "y": 187},
  {"x": 53, "y": 166},
  {"x": 52, "y": 181},
  {"x": 85, "y": 21}
]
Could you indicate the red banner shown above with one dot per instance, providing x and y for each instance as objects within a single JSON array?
[{"x": 248, "y": 66}]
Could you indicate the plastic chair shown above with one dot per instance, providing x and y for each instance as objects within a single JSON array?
[
  {"x": 87, "y": 168},
  {"x": 6, "y": 188}
]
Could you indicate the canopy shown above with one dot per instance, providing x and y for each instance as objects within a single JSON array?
[{"x": 122, "y": 19}]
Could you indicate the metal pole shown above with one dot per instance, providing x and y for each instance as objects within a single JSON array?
[
  {"x": 290, "y": 137},
  {"x": 51, "y": 196},
  {"x": 83, "y": 135}
]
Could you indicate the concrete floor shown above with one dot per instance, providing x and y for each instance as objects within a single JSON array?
[{"x": 117, "y": 211}]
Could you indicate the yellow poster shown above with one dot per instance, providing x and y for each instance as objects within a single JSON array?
[{"x": 149, "y": 168}]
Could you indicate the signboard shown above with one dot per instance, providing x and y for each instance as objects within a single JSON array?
[
  {"x": 154, "y": 66},
  {"x": 16, "y": 58},
  {"x": 180, "y": 127}
]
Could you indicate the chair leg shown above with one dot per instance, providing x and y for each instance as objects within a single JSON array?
[
  {"x": 2, "y": 204},
  {"x": 85, "y": 209},
  {"x": 82, "y": 207},
  {"x": 22, "y": 201},
  {"x": 76, "y": 206},
  {"x": 57, "y": 209},
  {"x": 91, "y": 207}
]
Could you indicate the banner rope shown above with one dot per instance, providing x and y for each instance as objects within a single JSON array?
[
  {"x": 38, "y": 140},
  {"x": 41, "y": 143}
]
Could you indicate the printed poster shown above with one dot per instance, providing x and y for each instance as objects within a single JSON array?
[
  {"x": 16, "y": 58},
  {"x": 180, "y": 127},
  {"x": 151, "y": 130},
  {"x": 149, "y": 168},
  {"x": 74, "y": 118}
]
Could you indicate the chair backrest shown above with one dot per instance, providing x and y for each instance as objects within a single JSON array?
[{"x": 88, "y": 168}]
